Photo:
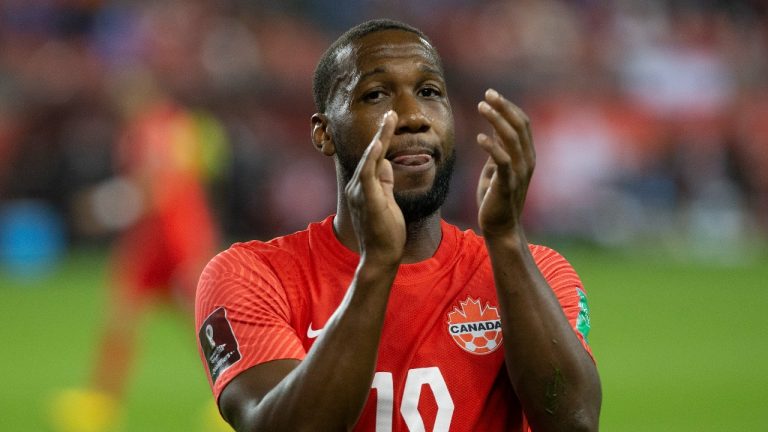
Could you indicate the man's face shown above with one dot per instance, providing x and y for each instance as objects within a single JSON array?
[{"x": 396, "y": 70}]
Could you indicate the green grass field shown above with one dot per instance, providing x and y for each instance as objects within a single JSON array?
[{"x": 680, "y": 346}]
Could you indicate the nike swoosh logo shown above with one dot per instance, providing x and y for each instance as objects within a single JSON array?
[{"x": 313, "y": 333}]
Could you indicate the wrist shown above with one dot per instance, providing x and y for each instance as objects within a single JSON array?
[
  {"x": 512, "y": 237},
  {"x": 373, "y": 268},
  {"x": 512, "y": 241},
  {"x": 383, "y": 258},
  {"x": 370, "y": 289}
]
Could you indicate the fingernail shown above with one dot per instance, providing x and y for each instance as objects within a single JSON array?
[
  {"x": 484, "y": 107},
  {"x": 491, "y": 94}
]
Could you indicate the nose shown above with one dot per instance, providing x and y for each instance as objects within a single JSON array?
[{"x": 410, "y": 115}]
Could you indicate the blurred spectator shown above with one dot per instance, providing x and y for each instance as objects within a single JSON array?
[
  {"x": 629, "y": 98},
  {"x": 157, "y": 202}
]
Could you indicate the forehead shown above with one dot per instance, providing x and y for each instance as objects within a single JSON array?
[{"x": 381, "y": 47}]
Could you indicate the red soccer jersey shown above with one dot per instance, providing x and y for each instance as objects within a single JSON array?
[{"x": 439, "y": 365}]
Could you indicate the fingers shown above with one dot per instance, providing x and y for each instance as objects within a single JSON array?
[
  {"x": 387, "y": 131},
  {"x": 495, "y": 148},
  {"x": 485, "y": 180},
  {"x": 499, "y": 163},
  {"x": 384, "y": 174},
  {"x": 374, "y": 172},
  {"x": 511, "y": 126},
  {"x": 377, "y": 149}
]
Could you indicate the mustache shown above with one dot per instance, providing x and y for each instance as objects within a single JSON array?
[{"x": 413, "y": 146}]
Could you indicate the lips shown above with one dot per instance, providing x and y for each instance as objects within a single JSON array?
[
  {"x": 412, "y": 157},
  {"x": 412, "y": 160}
]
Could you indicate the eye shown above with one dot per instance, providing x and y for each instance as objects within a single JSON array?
[
  {"x": 373, "y": 95},
  {"x": 430, "y": 92}
]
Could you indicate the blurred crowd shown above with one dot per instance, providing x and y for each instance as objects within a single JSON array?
[{"x": 650, "y": 117}]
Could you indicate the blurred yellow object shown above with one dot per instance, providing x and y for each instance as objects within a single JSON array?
[
  {"x": 212, "y": 420},
  {"x": 83, "y": 410}
]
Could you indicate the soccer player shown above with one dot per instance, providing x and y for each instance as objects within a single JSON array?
[
  {"x": 383, "y": 316},
  {"x": 165, "y": 155}
]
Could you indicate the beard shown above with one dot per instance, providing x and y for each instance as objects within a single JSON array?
[{"x": 416, "y": 206}]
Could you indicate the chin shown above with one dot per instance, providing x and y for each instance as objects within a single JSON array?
[
  {"x": 413, "y": 194},
  {"x": 415, "y": 183}
]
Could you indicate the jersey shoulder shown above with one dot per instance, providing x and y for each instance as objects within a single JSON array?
[
  {"x": 252, "y": 265},
  {"x": 468, "y": 242},
  {"x": 472, "y": 244},
  {"x": 554, "y": 266}
]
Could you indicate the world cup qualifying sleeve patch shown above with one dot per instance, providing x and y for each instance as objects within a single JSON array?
[{"x": 218, "y": 343}]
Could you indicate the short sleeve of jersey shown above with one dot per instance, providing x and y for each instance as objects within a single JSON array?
[
  {"x": 568, "y": 288},
  {"x": 242, "y": 315}
]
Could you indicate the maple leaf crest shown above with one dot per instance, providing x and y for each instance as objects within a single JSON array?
[
  {"x": 476, "y": 328},
  {"x": 471, "y": 311}
]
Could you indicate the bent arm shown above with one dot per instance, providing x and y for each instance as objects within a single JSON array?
[
  {"x": 553, "y": 375},
  {"x": 328, "y": 389}
]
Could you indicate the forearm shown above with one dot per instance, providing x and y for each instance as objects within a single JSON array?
[
  {"x": 553, "y": 376},
  {"x": 328, "y": 389}
]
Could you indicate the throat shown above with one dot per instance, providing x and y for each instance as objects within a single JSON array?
[{"x": 422, "y": 239}]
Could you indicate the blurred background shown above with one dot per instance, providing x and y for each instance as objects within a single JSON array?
[{"x": 650, "y": 120}]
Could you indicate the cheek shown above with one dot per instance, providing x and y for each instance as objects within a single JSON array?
[
  {"x": 445, "y": 130},
  {"x": 350, "y": 143},
  {"x": 441, "y": 116},
  {"x": 358, "y": 131}
]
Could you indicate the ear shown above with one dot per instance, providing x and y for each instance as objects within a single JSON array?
[{"x": 321, "y": 136}]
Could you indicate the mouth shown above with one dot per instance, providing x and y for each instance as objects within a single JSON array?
[{"x": 414, "y": 158}]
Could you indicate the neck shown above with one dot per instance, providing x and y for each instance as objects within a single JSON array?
[{"x": 422, "y": 237}]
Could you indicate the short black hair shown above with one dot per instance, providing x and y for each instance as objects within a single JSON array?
[{"x": 328, "y": 67}]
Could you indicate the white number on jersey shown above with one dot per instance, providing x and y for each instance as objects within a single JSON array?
[{"x": 383, "y": 383}]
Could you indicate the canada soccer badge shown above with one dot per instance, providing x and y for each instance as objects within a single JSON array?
[{"x": 475, "y": 328}]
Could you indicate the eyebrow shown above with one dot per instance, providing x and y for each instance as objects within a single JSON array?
[
  {"x": 379, "y": 70},
  {"x": 371, "y": 73}
]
